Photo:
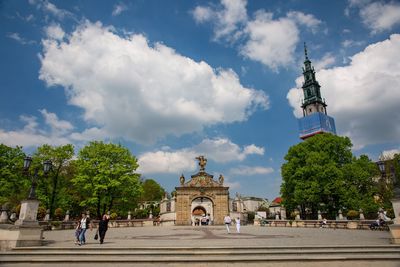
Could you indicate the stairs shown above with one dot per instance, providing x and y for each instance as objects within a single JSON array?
[{"x": 201, "y": 256}]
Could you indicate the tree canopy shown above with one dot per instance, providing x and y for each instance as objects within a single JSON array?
[
  {"x": 321, "y": 173},
  {"x": 106, "y": 176},
  {"x": 152, "y": 191},
  {"x": 13, "y": 184}
]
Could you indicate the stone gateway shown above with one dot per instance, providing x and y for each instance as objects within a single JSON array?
[{"x": 201, "y": 197}]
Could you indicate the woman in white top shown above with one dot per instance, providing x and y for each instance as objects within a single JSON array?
[
  {"x": 237, "y": 224},
  {"x": 84, "y": 224}
]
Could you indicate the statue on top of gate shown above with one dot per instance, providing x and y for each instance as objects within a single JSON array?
[{"x": 202, "y": 163}]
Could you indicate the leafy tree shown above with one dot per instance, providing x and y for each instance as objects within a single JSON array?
[
  {"x": 14, "y": 186},
  {"x": 105, "y": 176},
  {"x": 322, "y": 174},
  {"x": 51, "y": 190},
  {"x": 152, "y": 191}
]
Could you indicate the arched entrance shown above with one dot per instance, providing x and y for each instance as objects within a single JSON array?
[{"x": 202, "y": 210}]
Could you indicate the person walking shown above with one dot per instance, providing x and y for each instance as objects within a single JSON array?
[
  {"x": 237, "y": 225},
  {"x": 227, "y": 221},
  {"x": 84, "y": 225},
  {"x": 103, "y": 227},
  {"x": 77, "y": 232}
]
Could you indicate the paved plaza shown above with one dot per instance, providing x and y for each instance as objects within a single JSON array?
[{"x": 216, "y": 236}]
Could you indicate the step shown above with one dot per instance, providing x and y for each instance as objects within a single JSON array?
[{"x": 83, "y": 254}]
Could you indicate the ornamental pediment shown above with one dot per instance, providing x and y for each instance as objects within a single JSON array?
[{"x": 202, "y": 178}]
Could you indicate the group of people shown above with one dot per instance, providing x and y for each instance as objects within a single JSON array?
[
  {"x": 228, "y": 222},
  {"x": 85, "y": 223}
]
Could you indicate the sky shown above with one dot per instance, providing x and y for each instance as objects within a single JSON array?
[{"x": 172, "y": 80}]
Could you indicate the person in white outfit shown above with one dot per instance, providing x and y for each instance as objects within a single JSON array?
[
  {"x": 237, "y": 225},
  {"x": 227, "y": 221}
]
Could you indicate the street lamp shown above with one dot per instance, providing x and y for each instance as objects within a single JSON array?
[
  {"x": 381, "y": 166},
  {"x": 46, "y": 168}
]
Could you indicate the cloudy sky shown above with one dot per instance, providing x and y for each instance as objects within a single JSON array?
[{"x": 172, "y": 80}]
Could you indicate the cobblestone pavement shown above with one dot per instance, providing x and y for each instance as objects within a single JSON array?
[{"x": 217, "y": 236}]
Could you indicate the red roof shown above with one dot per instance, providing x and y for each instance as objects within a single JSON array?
[{"x": 277, "y": 200}]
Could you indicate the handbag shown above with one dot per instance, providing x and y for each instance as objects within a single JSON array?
[{"x": 96, "y": 236}]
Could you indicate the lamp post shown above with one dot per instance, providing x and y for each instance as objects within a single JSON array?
[
  {"x": 29, "y": 206},
  {"x": 46, "y": 168}
]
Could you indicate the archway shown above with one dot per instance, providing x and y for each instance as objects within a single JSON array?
[{"x": 202, "y": 210}]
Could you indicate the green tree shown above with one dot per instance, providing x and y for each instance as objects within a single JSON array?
[
  {"x": 14, "y": 186},
  {"x": 105, "y": 176},
  {"x": 52, "y": 188},
  {"x": 321, "y": 173},
  {"x": 152, "y": 191}
]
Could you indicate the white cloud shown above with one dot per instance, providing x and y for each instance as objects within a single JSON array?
[
  {"x": 253, "y": 149},
  {"x": 250, "y": 170},
  {"x": 140, "y": 92},
  {"x": 351, "y": 43},
  {"x": 305, "y": 19},
  {"x": 119, "y": 8},
  {"x": 15, "y": 36},
  {"x": 223, "y": 150},
  {"x": 167, "y": 162},
  {"x": 33, "y": 135},
  {"x": 57, "y": 126},
  {"x": 363, "y": 97},
  {"x": 325, "y": 61},
  {"x": 55, "y": 31},
  {"x": 220, "y": 150},
  {"x": 271, "y": 42},
  {"x": 50, "y": 8},
  {"x": 267, "y": 40},
  {"x": 202, "y": 14},
  {"x": 226, "y": 19},
  {"x": 377, "y": 16}
]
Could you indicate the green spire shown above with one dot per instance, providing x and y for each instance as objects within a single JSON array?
[
  {"x": 305, "y": 51},
  {"x": 311, "y": 87}
]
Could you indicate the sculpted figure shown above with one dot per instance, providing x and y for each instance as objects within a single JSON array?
[
  {"x": 221, "y": 179},
  {"x": 202, "y": 162},
  {"x": 182, "y": 179}
]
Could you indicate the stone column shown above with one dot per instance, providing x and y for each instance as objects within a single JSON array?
[
  {"x": 28, "y": 213},
  {"x": 319, "y": 216},
  {"x": 340, "y": 215},
  {"x": 4, "y": 214},
  {"x": 395, "y": 227},
  {"x": 283, "y": 213},
  {"x": 13, "y": 217},
  {"x": 47, "y": 217},
  {"x": 66, "y": 219},
  {"x": 361, "y": 214}
]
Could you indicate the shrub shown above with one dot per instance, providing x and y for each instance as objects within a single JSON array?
[
  {"x": 352, "y": 214},
  {"x": 41, "y": 213},
  {"x": 113, "y": 216},
  {"x": 58, "y": 213}
]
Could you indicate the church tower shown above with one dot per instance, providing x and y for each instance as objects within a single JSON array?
[{"x": 315, "y": 118}]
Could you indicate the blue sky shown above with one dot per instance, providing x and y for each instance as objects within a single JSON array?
[{"x": 172, "y": 80}]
